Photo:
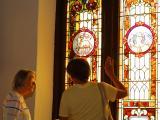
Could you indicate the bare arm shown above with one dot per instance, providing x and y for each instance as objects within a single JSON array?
[{"x": 109, "y": 70}]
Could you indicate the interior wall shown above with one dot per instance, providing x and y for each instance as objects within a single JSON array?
[
  {"x": 44, "y": 92},
  {"x": 18, "y": 41},
  {"x": 26, "y": 42}
]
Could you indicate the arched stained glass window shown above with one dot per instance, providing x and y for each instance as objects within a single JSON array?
[
  {"x": 140, "y": 59},
  {"x": 83, "y": 34}
]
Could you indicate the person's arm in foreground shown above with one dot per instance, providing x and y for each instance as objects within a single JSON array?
[{"x": 109, "y": 70}]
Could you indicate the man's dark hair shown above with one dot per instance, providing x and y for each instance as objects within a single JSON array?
[
  {"x": 79, "y": 69},
  {"x": 20, "y": 78}
]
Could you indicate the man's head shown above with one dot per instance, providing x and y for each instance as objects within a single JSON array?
[
  {"x": 24, "y": 82},
  {"x": 79, "y": 69}
]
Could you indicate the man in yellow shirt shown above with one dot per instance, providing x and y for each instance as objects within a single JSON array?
[{"x": 83, "y": 101}]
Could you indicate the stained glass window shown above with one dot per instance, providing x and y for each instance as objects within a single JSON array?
[
  {"x": 140, "y": 59},
  {"x": 83, "y": 34}
]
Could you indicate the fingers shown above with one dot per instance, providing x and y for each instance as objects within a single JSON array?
[
  {"x": 109, "y": 67},
  {"x": 109, "y": 61}
]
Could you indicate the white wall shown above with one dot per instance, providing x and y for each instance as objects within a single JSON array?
[
  {"x": 26, "y": 41},
  {"x": 44, "y": 94}
]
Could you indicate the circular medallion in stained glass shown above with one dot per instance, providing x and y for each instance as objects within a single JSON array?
[
  {"x": 139, "y": 39},
  {"x": 84, "y": 42}
]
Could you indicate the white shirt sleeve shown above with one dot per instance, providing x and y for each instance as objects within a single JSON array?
[
  {"x": 64, "y": 109},
  {"x": 110, "y": 91}
]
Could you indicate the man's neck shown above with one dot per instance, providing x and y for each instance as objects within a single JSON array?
[
  {"x": 20, "y": 91},
  {"x": 80, "y": 82}
]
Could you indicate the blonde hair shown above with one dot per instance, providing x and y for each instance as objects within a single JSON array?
[{"x": 21, "y": 76}]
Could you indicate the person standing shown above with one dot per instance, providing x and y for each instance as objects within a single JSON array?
[
  {"x": 14, "y": 105},
  {"x": 83, "y": 100}
]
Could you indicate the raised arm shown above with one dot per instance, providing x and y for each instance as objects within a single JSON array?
[{"x": 109, "y": 70}]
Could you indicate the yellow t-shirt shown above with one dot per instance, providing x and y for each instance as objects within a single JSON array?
[{"x": 83, "y": 102}]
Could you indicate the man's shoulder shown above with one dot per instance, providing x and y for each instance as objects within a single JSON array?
[
  {"x": 70, "y": 89},
  {"x": 105, "y": 84},
  {"x": 13, "y": 100}
]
